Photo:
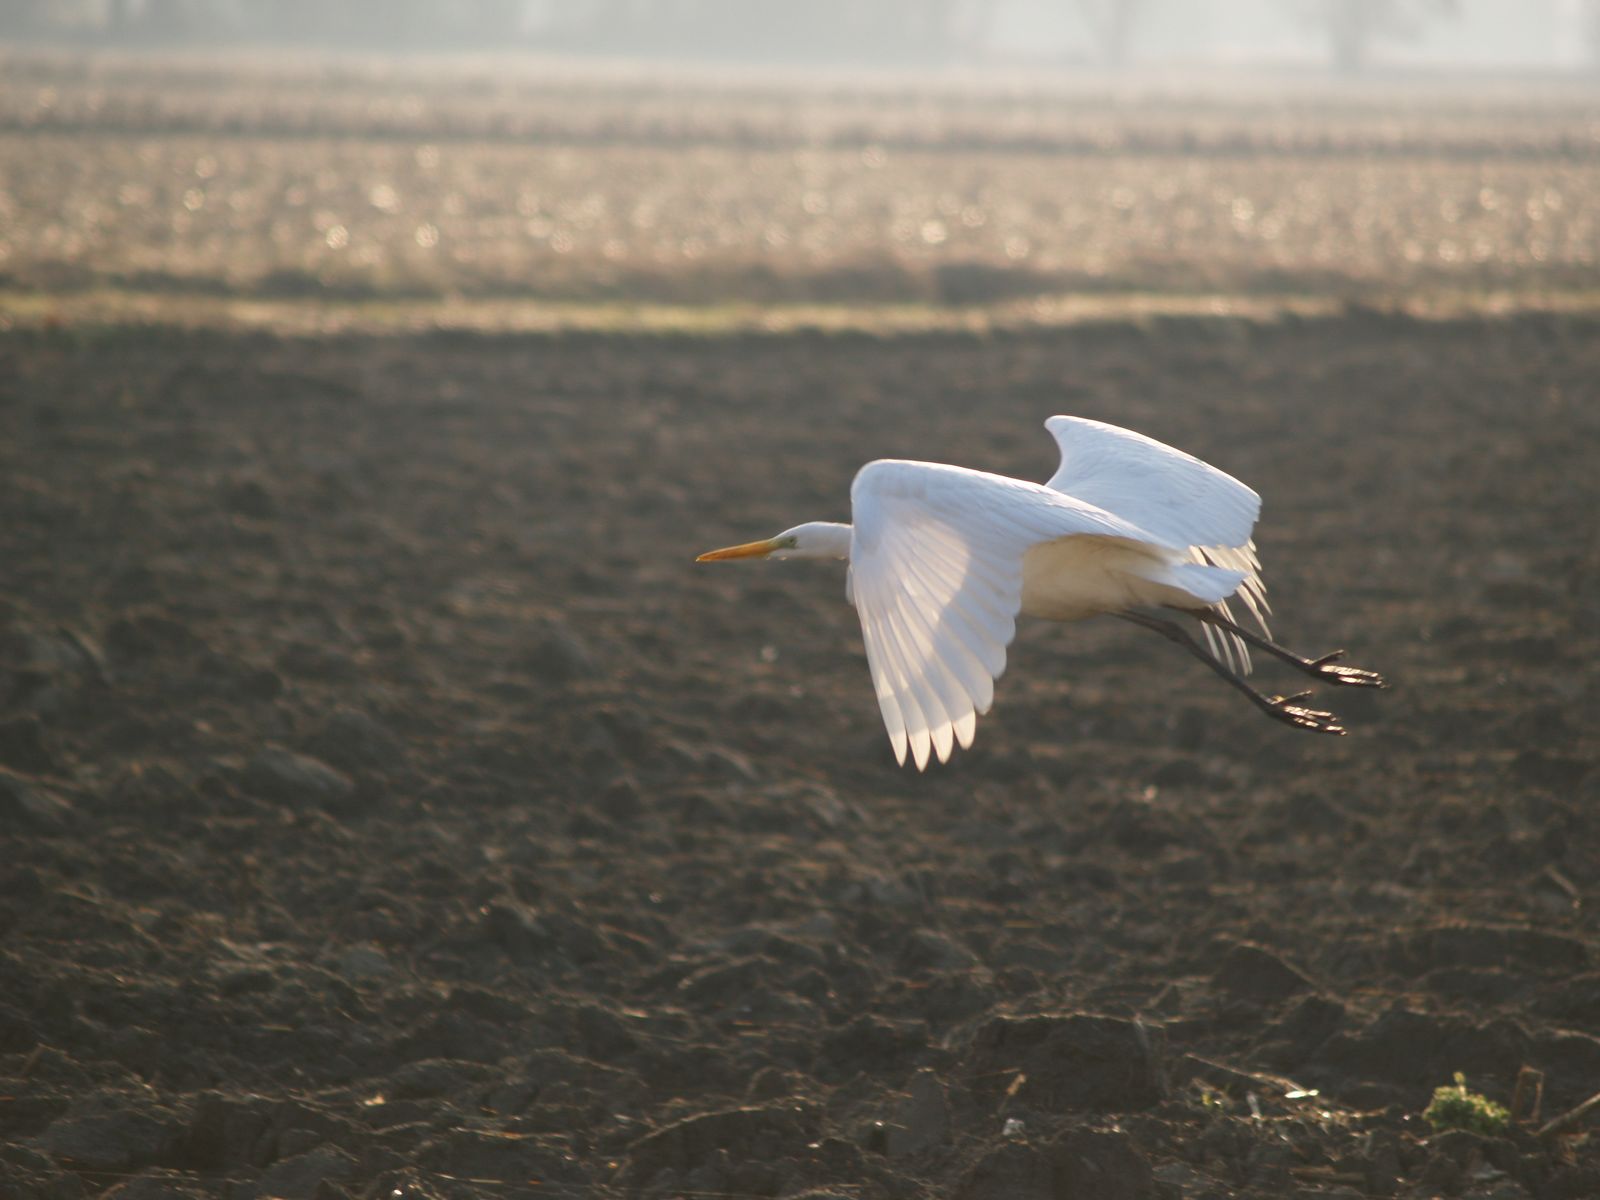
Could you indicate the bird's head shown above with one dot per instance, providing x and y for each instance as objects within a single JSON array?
[{"x": 814, "y": 539}]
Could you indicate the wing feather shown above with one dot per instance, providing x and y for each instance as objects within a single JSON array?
[
  {"x": 936, "y": 576},
  {"x": 963, "y": 649},
  {"x": 919, "y": 674},
  {"x": 888, "y": 704},
  {"x": 903, "y": 681},
  {"x": 955, "y": 695}
]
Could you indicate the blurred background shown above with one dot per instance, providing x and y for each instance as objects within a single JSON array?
[
  {"x": 514, "y": 161},
  {"x": 1350, "y": 34}
]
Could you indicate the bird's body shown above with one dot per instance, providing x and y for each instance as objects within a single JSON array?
[
  {"x": 1073, "y": 578},
  {"x": 943, "y": 559}
]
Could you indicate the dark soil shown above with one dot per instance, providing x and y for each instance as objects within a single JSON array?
[{"x": 390, "y": 807}]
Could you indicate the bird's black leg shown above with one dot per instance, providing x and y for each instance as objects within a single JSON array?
[
  {"x": 1323, "y": 668},
  {"x": 1279, "y": 708}
]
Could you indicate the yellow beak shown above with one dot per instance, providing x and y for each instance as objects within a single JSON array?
[{"x": 749, "y": 550}]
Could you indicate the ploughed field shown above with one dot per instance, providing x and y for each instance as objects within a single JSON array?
[
  {"x": 389, "y": 804},
  {"x": 389, "y": 800}
]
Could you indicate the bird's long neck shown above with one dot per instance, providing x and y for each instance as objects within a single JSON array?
[{"x": 825, "y": 539}]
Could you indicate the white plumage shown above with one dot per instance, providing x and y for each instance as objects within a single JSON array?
[
  {"x": 1173, "y": 495},
  {"x": 943, "y": 559}
]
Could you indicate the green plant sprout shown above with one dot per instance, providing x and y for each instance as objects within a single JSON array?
[{"x": 1457, "y": 1108}]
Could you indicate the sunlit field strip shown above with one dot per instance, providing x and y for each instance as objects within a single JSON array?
[{"x": 107, "y": 308}]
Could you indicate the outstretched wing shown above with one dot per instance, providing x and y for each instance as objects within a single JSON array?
[
  {"x": 1172, "y": 494},
  {"x": 936, "y": 575},
  {"x": 1175, "y": 496}
]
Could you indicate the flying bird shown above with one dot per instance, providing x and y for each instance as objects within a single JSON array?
[{"x": 942, "y": 559}]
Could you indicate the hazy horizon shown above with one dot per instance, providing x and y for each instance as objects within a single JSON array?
[{"x": 1339, "y": 36}]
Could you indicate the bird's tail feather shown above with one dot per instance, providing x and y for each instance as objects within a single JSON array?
[{"x": 1213, "y": 585}]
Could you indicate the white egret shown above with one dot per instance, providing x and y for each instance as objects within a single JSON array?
[{"x": 943, "y": 559}]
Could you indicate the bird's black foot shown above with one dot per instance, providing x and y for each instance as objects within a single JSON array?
[
  {"x": 1284, "y": 708},
  {"x": 1324, "y": 669}
]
